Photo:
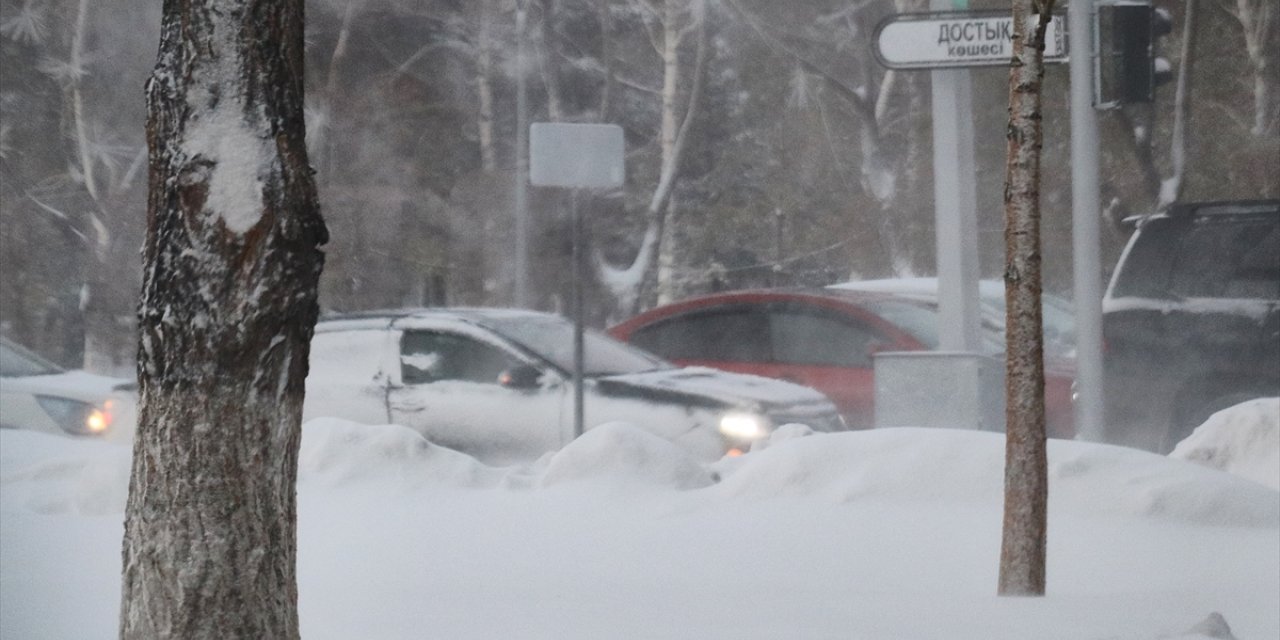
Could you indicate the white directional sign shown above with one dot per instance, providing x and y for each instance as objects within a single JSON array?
[{"x": 957, "y": 39}]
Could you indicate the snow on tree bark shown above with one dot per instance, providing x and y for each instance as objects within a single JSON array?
[
  {"x": 1022, "y": 550},
  {"x": 231, "y": 266}
]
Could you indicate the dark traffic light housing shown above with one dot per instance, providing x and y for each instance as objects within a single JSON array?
[{"x": 1126, "y": 67}]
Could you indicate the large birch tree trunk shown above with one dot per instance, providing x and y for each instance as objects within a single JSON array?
[
  {"x": 1022, "y": 551},
  {"x": 231, "y": 264}
]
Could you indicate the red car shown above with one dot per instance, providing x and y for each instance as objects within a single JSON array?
[{"x": 821, "y": 338}]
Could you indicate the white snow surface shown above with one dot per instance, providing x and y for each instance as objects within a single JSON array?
[
  {"x": 1243, "y": 440},
  {"x": 889, "y": 533}
]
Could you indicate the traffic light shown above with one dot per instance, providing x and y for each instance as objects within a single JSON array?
[{"x": 1127, "y": 69}]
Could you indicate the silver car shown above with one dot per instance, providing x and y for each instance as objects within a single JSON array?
[
  {"x": 37, "y": 395},
  {"x": 497, "y": 384}
]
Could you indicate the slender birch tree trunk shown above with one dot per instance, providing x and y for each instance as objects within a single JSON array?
[
  {"x": 667, "y": 139},
  {"x": 484, "y": 87},
  {"x": 547, "y": 60},
  {"x": 1261, "y": 28},
  {"x": 1171, "y": 188},
  {"x": 1022, "y": 551},
  {"x": 231, "y": 264}
]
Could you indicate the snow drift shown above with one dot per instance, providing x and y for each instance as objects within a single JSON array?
[
  {"x": 884, "y": 533},
  {"x": 1243, "y": 440}
]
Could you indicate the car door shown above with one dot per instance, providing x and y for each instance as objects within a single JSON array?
[
  {"x": 448, "y": 389},
  {"x": 829, "y": 351},
  {"x": 348, "y": 375}
]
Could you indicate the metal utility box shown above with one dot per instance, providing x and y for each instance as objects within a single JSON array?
[{"x": 950, "y": 389}]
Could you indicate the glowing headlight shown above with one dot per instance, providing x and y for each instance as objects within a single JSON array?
[
  {"x": 76, "y": 417},
  {"x": 742, "y": 426},
  {"x": 97, "y": 421}
]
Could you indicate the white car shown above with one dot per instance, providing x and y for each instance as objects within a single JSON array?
[
  {"x": 37, "y": 395},
  {"x": 1057, "y": 313},
  {"x": 497, "y": 384}
]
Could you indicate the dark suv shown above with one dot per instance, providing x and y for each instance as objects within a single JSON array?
[{"x": 1191, "y": 320}]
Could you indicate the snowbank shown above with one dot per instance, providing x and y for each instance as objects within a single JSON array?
[
  {"x": 957, "y": 466},
  {"x": 619, "y": 452},
  {"x": 338, "y": 452},
  {"x": 888, "y": 533},
  {"x": 1243, "y": 440},
  {"x": 53, "y": 474}
]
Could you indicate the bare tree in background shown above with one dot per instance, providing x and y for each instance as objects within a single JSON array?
[
  {"x": 1171, "y": 187},
  {"x": 883, "y": 171},
  {"x": 1260, "y": 20},
  {"x": 231, "y": 265},
  {"x": 631, "y": 284},
  {"x": 1022, "y": 551}
]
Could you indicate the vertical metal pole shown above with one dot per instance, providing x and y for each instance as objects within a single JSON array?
[
  {"x": 955, "y": 204},
  {"x": 522, "y": 297},
  {"x": 578, "y": 307},
  {"x": 1085, "y": 215}
]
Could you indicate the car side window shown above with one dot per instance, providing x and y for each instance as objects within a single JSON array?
[
  {"x": 432, "y": 356},
  {"x": 813, "y": 337},
  {"x": 730, "y": 334},
  {"x": 1146, "y": 268},
  {"x": 1240, "y": 260}
]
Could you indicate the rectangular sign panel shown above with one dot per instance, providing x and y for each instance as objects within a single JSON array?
[
  {"x": 580, "y": 156},
  {"x": 958, "y": 39}
]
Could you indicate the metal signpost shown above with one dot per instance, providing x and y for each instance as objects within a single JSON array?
[
  {"x": 948, "y": 43},
  {"x": 576, "y": 156},
  {"x": 955, "y": 204},
  {"x": 958, "y": 39},
  {"x": 1086, "y": 236}
]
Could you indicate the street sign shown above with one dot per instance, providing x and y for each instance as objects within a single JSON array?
[
  {"x": 577, "y": 156},
  {"x": 580, "y": 156},
  {"x": 957, "y": 39}
]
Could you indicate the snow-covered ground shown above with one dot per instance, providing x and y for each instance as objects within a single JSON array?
[{"x": 891, "y": 533}]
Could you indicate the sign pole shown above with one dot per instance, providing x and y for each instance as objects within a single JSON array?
[
  {"x": 577, "y": 156},
  {"x": 523, "y": 299},
  {"x": 955, "y": 204},
  {"x": 579, "y": 350},
  {"x": 1085, "y": 223}
]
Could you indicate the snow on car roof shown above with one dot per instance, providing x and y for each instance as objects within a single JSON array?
[{"x": 383, "y": 318}]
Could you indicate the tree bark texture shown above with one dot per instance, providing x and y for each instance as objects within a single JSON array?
[
  {"x": 231, "y": 264},
  {"x": 1022, "y": 551}
]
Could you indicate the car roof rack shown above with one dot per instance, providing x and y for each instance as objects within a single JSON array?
[{"x": 1223, "y": 207}]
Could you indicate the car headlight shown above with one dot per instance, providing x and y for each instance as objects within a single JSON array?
[
  {"x": 743, "y": 426},
  {"x": 76, "y": 417}
]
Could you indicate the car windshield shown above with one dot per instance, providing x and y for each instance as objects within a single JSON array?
[
  {"x": 16, "y": 361},
  {"x": 1056, "y": 314},
  {"x": 552, "y": 339},
  {"x": 921, "y": 321}
]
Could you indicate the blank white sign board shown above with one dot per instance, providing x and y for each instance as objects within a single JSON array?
[{"x": 580, "y": 156}]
